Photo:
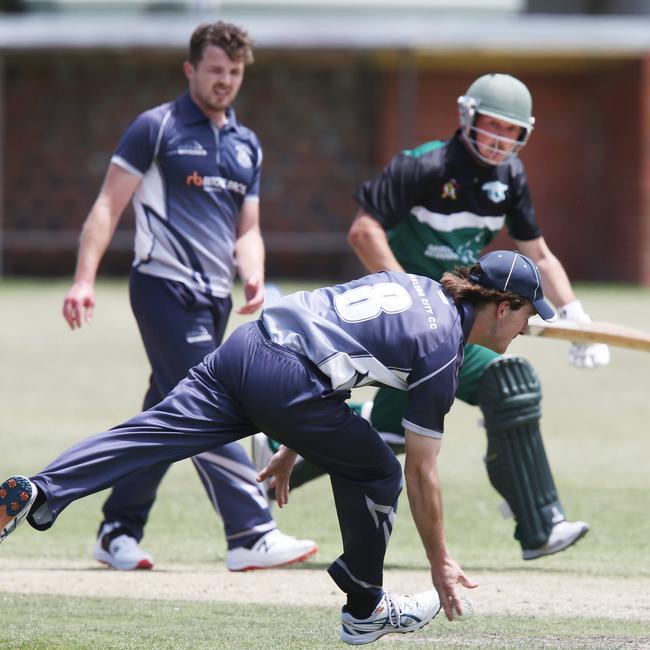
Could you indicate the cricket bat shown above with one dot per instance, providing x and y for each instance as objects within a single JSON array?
[{"x": 594, "y": 332}]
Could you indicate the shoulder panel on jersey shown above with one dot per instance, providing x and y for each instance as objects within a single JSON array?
[
  {"x": 161, "y": 131},
  {"x": 424, "y": 148},
  {"x": 139, "y": 143},
  {"x": 154, "y": 116}
]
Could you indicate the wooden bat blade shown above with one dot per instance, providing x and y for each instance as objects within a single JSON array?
[{"x": 594, "y": 332}]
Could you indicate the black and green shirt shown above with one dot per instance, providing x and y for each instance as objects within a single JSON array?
[{"x": 440, "y": 207}]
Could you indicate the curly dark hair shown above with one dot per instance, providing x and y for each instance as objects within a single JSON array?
[
  {"x": 233, "y": 40},
  {"x": 461, "y": 285}
]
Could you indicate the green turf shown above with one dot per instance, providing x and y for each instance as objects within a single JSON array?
[
  {"x": 64, "y": 623},
  {"x": 57, "y": 386}
]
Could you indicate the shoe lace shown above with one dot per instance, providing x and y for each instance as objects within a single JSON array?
[{"x": 394, "y": 609}]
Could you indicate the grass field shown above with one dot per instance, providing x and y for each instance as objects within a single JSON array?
[{"x": 57, "y": 386}]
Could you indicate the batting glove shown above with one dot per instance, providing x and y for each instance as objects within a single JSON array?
[{"x": 583, "y": 355}]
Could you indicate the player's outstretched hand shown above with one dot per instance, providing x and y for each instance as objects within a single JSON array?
[
  {"x": 279, "y": 469},
  {"x": 446, "y": 576},
  {"x": 79, "y": 304},
  {"x": 584, "y": 355},
  {"x": 254, "y": 294}
]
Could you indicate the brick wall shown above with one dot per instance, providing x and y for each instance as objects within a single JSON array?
[
  {"x": 327, "y": 122},
  {"x": 64, "y": 115},
  {"x": 643, "y": 244},
  {"x": 66, "y": 112}
]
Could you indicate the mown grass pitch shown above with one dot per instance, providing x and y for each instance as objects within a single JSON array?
[{"x": 57, "y": 386}]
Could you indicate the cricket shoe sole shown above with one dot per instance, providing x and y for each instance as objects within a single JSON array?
[{"x": 17, "y": 495}]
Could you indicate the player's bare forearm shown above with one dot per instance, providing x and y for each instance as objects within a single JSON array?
[
  {"x": 99, "y": 227},
  {"x": 249, "y": 255},
  {"x": 424, "y": 493},
  {"x": 79, "y": 301},
  {"x": 555, "y": 281},
  {"x": 368, "y": 240},
  {"x": 557, "y": 285},
  {"x": 96, "y": 234},
  {"x": 425, "y": 500}
]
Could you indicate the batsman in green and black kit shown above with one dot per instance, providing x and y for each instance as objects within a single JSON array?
[{"x": 436, "y": 207}]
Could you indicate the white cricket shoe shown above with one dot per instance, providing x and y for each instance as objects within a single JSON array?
[
  {"x": 272, "y": 550},
  {"x": 119, "y": 550},
  {"x": 393, "y": 614},
  {"x": 17, "y": 495},
  {"x": 563, "y": 535}
]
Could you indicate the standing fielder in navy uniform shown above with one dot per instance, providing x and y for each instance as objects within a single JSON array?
[
  {"x": 192, "y": 172},
  {"x": 290, "y": 374},
  {"x": 438, "y": 206}
]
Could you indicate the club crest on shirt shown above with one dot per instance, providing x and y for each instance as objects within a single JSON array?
[
  {"x": 450, "y": 190},
  {"x": 243, "y": 155},
  {"x": 495, "y": 190}
]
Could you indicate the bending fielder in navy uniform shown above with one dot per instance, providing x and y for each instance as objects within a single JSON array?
[{"x": 289, "y": 374}]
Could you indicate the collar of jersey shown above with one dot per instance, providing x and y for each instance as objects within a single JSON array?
[
  {"x": 467, "y": 314},
  {"x": 190, "y": 113}
]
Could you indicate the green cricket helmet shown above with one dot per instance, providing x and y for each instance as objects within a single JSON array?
[{"x": 501, "y": 96}]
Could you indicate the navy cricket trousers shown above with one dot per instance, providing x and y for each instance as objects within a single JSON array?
[
  {"x": 248, "y": 385},
  {"x": 179, "y": 327}
]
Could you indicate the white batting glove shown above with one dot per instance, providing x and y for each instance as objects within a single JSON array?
[{"x": 583, "y": 355}]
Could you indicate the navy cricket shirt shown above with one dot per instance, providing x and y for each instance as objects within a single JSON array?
[{"x": 195, "y": 178}]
